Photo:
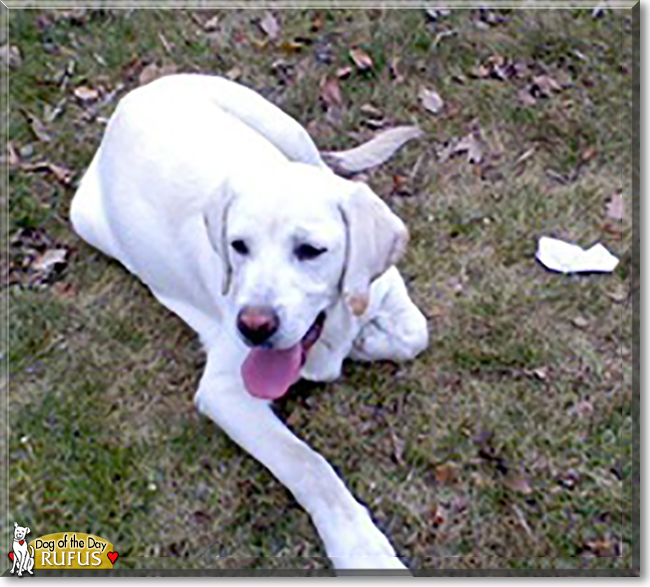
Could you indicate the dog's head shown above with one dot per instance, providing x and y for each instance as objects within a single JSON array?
[
  {"x": 293, "y": 242},
  {"x": 20, "y": 532}
]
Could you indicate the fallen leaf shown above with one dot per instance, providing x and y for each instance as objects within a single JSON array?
[
  {"x": 212, "y": 24},
  {"x": 401, "y": 185},
  {"x": 372, "y": 153},
  {"x": 233, "y": 73},
  {"x": 270, "y": 26},
  {"x": 330, "y": 92},
  {"x": 65, "y": 291},
  {"x": 49, "y": 261},
  {"x": 292, "y": 47},
  {"x": 62, "y": 174},
  {"x": 569, "y": 479},
  {"x": 437, "y": 516},
  {"x": 316, "y": 22},
  {"x": 370, "y": 110},
  {"x": 618, "y": 295},
  {"x": 431, "y": 100},
  {"x": 10, "y": 56},
  {"x": 544, "y": 86},
  {"x": 153, "y": 71},
  {"x": 437, "y": 13},
  {"x": 525, "y": 97},
  {"x": 86, "y": 94},
  {"x": 343, "y": 72},
  {"x": 38, "y": 128},
  {"x": 580, "y": 322},
  {"x": 12, "y": 155},
  {"x": 614, "y": 208},
  {"x": 588, "y": 154},
  {"x": 361, "y": 59},
  {"x": 447, "y": 474},
  {"x": 601, "y": 548},
  {"x": 541, "y": 373}
]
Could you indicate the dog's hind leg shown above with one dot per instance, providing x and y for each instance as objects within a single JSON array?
[
  {"x": 87, "y": 212},
  {"x": 351, "y": 539}
]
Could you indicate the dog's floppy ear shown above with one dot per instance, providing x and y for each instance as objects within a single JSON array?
[
  {"x": 376, "y": 239},
  {"x": 27, "y": 530},
  {"x": 15, "y": 524},
  {"x": 216, "y": 222}
]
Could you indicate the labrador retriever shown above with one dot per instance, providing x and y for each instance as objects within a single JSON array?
[{"x": 222, "y": 205}]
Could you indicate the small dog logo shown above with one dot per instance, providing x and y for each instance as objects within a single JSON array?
[{"x": 20, "y": 555}]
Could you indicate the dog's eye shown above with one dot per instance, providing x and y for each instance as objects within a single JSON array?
[
  {"x": 240, "y": 247},
  {"x": 307, "y": 252}
]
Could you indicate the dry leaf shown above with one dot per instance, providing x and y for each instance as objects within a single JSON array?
[
  {"x": 580, "y": 322},
  {"x": 38, "y": 128},
  {"x": 437, "y": 516},
  {"x": 270, "y": 26},
  {"x": 65, "y": 291},
  {"x": 330, "y": 92},
  {"x": 447, "y": 473},
  {"x": 361, "y": 59},
  {"x": 343, "y": 72},
  {"x": 49, "y": 260},
  {"x": 401, "y": 185},
  {"x": 316, "y": 22},
  {"x": 588, "y": 154},
  {"x": 614, "y": 207},
  {"x": 569, "y": 479},
  {"x": 12, "y": 155},
  {"x": 62, "y": 174},
  {"x": 544, "y": 86},
  {"x": 292, "y": 47},
  {"x": 525, "y": 97},
  {"x": 211, "y": 24},
  {"x": 541, "y": 373},
  {"x": 152, "y": 72},
  {"x": 86, "y": 94},
  {"x": 618, "y": 295},
  {"x": 233, "y": 73},
  {"x": 431, "y": 100}
]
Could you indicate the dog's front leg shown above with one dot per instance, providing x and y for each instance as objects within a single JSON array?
[{"x": 351, "y": 539}]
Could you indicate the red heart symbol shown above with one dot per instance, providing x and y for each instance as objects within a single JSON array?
[
  {"x": 112, "y": 556},
  {"x": 11, "y": 556},
  {"x": 21, "y": 542}
]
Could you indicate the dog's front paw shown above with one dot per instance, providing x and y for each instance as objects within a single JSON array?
[{"x": 357, "y": 543}]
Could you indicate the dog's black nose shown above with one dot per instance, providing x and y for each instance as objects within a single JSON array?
[{"x": 257, "y": 323}]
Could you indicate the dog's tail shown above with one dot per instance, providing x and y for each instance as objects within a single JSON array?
[
  {"x": 371, "y": 153},
  {"x": 30, "y": 546}
]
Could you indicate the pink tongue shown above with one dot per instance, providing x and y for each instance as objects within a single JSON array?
[{"x": 269, "y": 374}]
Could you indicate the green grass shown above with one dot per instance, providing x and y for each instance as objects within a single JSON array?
[{"x": 104, "y": 437}]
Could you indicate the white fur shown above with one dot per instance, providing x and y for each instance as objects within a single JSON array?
[{"x": 190, "y": 163}]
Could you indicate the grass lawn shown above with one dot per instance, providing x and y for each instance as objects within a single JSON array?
[{"x": 506, "y": 445}]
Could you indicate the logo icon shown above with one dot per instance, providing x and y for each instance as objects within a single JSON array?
[{"x": 20, "y": 556}]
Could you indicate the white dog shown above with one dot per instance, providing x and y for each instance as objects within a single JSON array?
[
  {"x": 222, "y": 205},
  {"x": 22, "y": 559}
]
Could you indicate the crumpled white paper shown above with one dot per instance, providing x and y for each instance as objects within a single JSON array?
[{"x": 564, "y": 257}]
